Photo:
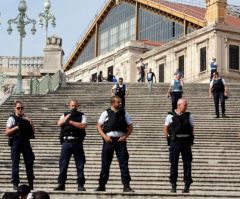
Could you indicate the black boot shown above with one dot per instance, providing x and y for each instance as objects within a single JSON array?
[
  {"x": 186, "y": 188},
  {"x": 127, "y": 188},
  {"x": 101, "y": 187},
  {"x": 60, "y": 187},
  {"x": 31, "y": 185},
  {"x": 81, "y": 187},
  {"x": 174, "y": 188}
]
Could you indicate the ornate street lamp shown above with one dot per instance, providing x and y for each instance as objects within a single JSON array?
[
  {"x": 47, "y": 16},
  {"x": 21, "y": 21}
]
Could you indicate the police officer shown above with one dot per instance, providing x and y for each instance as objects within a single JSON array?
[
  {"x": 219, "y": 91},
  {"x": 115, "y": 126},
  {"x": 20, "y": 130},
  {"x": 120, "y": 89},
  {"x": 213, "y": 67},
  {"x": 179, "y": 130},
  {"x": 175, "y": 90},
  {"x": 73, "y": 124}
]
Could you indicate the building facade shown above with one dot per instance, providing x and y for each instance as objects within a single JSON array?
[{"x": 168, "y": 36}]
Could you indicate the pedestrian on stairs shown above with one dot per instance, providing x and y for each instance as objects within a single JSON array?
[
  {"x": 141, "y": 71},
  {"x": 176, "y": 90},
  {"x": 20, "y": 130},
  {"x": 73, "y": 124},
  {"x": 218, "y": 91},
  {"x": 150, "y": 76},
  {"x": 178, "y": 129},
  {"x": 115, "y": 126},
  {"x": 120, "y": 89}
]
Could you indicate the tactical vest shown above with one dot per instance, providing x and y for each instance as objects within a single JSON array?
[
  {"x": 218, "y": 85},
  {"x": 25, "y": 128},
  {"x": 120, "y": 91},
  {"x": 177, "y": 86},
  {"x": 116, "y": 121},
  {"x": 213, "y": 66},
  {"x": 180, "y": 126},
  {"x": 69, "y": 130}
]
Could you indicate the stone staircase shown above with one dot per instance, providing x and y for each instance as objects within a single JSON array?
[{"x": 216, "y": 164}]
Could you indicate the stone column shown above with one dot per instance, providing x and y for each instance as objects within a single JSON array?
[
  {"x": 53, "y": 56},
  {"x": 216, "y": 11}
]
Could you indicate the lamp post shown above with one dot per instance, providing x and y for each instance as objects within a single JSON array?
[
  {"x": 47, "y": 16},
  {"x": 21, "y": 20}
]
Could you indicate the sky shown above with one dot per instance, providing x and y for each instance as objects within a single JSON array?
[{"x": 73, "y": 18}]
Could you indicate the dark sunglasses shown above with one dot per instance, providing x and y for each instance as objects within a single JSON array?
[{"x": 19, "y": 108}]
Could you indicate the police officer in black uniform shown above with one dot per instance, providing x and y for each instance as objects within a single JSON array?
[
  {"x": 20, "y": 130},
  {"x": 120, "y": 89},
  {"x": 219, "y": 91},
  {"x": 73, "y": 124},
  {"x": 115, "y": 126},
  {"x": 179, "y": 127}
]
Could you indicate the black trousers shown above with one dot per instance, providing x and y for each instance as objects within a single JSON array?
[
  {"x": 175, "y": 97},
  {"x": 69, "y": 148},
  {"x": 23, "y": 146},
  {"x": 219, "y": 96},
  {"x": 107, "y": 155},
  {"x": 183, "y": 147}
]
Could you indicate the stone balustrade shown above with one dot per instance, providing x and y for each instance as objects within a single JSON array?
[{"x": 27, "y": 62}]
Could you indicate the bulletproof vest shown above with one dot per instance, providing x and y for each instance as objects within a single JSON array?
[
  {"x": 180, "y": 125},
  {"x": 218, "y": 85},
  {"x": 116, "y": 121},
  {"x": 177, "y": 85},
  {"x": 213, "y": 66},
  {"x": 25, "y": 128},
  {"x": 69, "y": 130},
  {"x": 120, "y": 91}
]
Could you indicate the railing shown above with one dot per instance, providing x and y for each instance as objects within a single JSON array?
[
  {"x": 47, "y": 84},
  {"x": 27, "y": 62}
]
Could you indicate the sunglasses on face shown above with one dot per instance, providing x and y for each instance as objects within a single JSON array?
[{"x": 19, "y": 108}]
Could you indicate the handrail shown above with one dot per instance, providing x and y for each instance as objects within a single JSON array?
[
  {"x": 47, "y": 84},
  {"x": 7, "y": 94}
]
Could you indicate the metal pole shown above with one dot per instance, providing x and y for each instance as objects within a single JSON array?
[{"x": 19, "y": 75}]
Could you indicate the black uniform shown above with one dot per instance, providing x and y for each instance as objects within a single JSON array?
[
  {"x": 181, "y": 139},
  {"x": 20, "y": 143},
  {"x": 72, "y": 143},
  {"x": 121, "y": 92},
  {"x": 218, "y": 93},
  {"x": 116, "y": 122}
]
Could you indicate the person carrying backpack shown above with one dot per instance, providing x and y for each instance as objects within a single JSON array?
[{"x": 120, "y": 89}]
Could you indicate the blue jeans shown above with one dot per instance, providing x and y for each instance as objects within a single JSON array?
[
  {"x": 107, "y": 156},
  {"x": 23, "y": 146},
  {"x": 69, "y": 148}
]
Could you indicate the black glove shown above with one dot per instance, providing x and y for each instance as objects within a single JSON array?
[{"x": 73, "y": 111}]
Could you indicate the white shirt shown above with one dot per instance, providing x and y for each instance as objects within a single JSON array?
[
  {"x": 211, "y": 83},
  {"x": 10, "y": 122},
  {"x": 115, "y": 86},
  {"x": 169, "y": 117},
  {"x": 104, "y": 117}
]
